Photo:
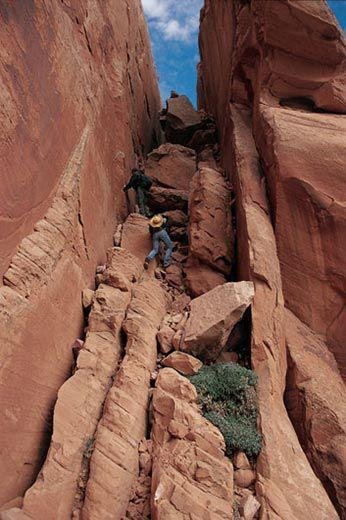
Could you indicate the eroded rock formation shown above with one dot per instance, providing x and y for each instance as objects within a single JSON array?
[
  {"x": 256, "y": 274},
  {"x": 78, "y": 101},
  {"x": 191, "y": 476},
  {"x": 114, "y": 463},
  {"x": 269, "y": 91}
]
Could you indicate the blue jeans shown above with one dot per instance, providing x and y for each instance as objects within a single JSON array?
[{"x": 161, "y": 235}]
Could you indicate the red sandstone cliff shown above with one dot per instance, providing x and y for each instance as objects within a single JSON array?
[
  {"x": 78, "y": 100},
  {"x": 273, "y": 75},
  {"x": 121, "y": 436}
]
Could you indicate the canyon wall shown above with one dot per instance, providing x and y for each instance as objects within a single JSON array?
[
  {"x": 287, "y": 61},
  {"x": 78, "y": 103},
  {"x": 273, "y": 75}
]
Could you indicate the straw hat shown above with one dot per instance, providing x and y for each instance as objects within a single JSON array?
[{"x": 156, "y": 221}]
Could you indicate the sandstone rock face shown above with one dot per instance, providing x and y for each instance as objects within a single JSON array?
[
  {"x": 59, "y": 173},
  {"x": 315, "y": 402},
  {"x": 306, "y": 179},
  {"x": 210, "y": 229},
  {"x": 200, "y": 278},
  {"x": 281, "y": 488},
  {"x": 172, "y": 166},
  {"x": 265, "y": 87},
  {"x": 310, "y": 66},
  {"x": 297, "y": 146},
  {"x": 213, "y": 316},
  {"x": 114, "y": 464},
  {"x": 191, "y": 476},
  {"x": 80, "y": 401}
]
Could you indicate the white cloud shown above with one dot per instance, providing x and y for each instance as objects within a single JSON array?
[
  {"x": 174, "y": 20},
  {"x": 173, "y": 30},
  {"x": 155, "y": 8}
]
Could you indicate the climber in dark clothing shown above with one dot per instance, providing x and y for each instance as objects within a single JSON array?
[
  {"x": 141, "y": 183},
  {"x": 158, "y": 227}
]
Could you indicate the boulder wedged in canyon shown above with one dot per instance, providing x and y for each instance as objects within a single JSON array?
[
  {"x": 315, "y": 402},
  {"x": 162, "y": 199},
  {"x": 212, "y": 317},
  {"x": 114, "y": 464},
  {"x": 180, "y": 119},
  {"x": 59, "y": 174},
  {"x": 210, "y": 226},
  {"x": 286, "y": 484},
  {"x": 191, "y": 477},
  {"x": 172, "y": 166}
]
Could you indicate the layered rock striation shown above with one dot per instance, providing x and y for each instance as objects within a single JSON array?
[
  {"x": 256, "y": 276},
  {"x": 191, "y": 478},
  {"x": 78, "y": 101},
  {"x": 295, "y": 88},
  {"x": 278, "y": 100}
]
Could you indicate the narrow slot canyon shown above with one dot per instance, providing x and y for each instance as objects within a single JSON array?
[{"x": 212, "y": 387}]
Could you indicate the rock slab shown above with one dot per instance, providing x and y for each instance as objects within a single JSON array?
[
  {"x": 114, "y": 465},
  {"x": 183, "y": 363},
  {"x": 210, "y": 226},
  {"x": 212, "y": 318},
  {"x": 172, "y": 166}
]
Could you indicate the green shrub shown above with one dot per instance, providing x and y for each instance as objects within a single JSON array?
[{"x": 228, "y": 399}]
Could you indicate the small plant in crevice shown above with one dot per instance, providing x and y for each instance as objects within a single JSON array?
[
  {"x": 89, "y": 448},
  {"x": 228, "y": 399},
  {"x": 236, "y": 513}
]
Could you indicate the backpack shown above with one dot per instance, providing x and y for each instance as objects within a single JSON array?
[{"x": 146, "y": 181}]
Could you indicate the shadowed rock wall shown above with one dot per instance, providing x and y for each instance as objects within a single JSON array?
[
  {"x": 273, "y": 76},
  {"x": 286, "y": 60},
  {"x": 78, "y": 100}
]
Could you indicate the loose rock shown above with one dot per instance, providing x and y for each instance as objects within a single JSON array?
[
  {"x": 164, "y": 337},
  {"x": 172, "y": 166},
  {"x": 87, "y": 298},
  {"x": 183, "y": 363},
  {"x": 248, "y": 507},
  {"x": 212, "y": 317},
  {"x": 244, "y": 477}
]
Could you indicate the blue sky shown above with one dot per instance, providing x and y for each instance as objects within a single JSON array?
[{"x": 173, "y": 26}]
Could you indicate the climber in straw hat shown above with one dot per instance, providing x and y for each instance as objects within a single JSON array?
[{"x": 158, "y": 225}]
